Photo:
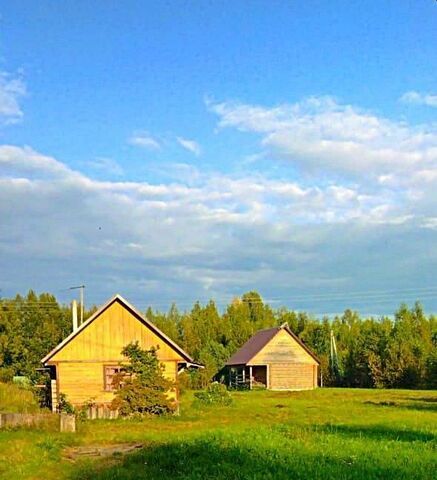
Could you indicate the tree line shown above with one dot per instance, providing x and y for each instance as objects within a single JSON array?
[{"x": 384, "y": 352}]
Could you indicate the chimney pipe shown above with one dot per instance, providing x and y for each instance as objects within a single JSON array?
[{"x": 74, "y": 313}]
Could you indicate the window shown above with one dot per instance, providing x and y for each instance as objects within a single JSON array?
[{"x": 109, "y": 373}]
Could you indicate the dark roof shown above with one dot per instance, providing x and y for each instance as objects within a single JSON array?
[
  {"x": 252, "y": 346},
  {"x": 258, "y": 341}
]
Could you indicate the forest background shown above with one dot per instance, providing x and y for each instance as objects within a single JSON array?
[{"x": 383, "y": 352}]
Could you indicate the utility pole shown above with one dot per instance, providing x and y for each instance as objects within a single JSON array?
[
  {"x": 81, "y": 288},
  {"x": 334, "y": 356}
]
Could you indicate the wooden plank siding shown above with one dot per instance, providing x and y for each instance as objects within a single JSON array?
[
  {"x": 106, "y": 336},
  {"x": 292, "y": 376},
  {"x": 80, "y": 362},
  {"x": 289, "y": 365},
  {"x": 282, "y": 348},
  {"x": 83, "y": 382}
]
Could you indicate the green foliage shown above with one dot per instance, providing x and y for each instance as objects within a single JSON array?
[
  {"x": 30, "y": 327},
  {"x": 143, "y": 389},
  {"x": 372, "y": 352},
  {"x": 214, "y": 394},
  {"x": 64, "y": 406},
  {"x": 16, "y": 399}
]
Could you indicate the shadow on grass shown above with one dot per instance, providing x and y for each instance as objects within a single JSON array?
[
  {"x": 428, "y": 405},
  {"x": 210, "y": 459},
  {"x": 377, "y": 432},
  {"x": 424, "y": 399}
]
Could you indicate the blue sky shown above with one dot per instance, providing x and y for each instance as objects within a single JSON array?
[{"x": 188, "y": 150}]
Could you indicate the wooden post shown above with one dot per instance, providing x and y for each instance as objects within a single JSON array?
[
  {"x": 250, "y": 377},
  {"x": 100, "y": 411},
  {"x": 67, "y": 423},
  {"x": 93, "y": 412},
  {"x": 244, "y": 374},
  {"x": 267, "y": 376},
  {"x": 54, "y": 395}
]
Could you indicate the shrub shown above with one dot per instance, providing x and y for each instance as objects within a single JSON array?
[
  {"x": 64, "y": 406},
  {"x": 214, "y": 394},
  {"x": 192, "y": 379},
  {"x": 6, "y": 374},
  {"x": 14, "y": 399},
  {"x": 142, "y": 387},
  {"x": 83, "y": 411}
]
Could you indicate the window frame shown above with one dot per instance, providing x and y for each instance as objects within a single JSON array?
[{"x": 108, "y": 386}]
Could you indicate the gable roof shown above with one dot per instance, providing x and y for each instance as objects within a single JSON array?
[
  {"x": 118, "y": 298},
  {"x": 258, "y": 341}
]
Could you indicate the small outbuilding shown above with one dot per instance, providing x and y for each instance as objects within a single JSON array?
[{"x": 275, "y": 359}]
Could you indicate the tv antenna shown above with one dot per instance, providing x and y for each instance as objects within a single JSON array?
[{"x": 81, "y": 288}]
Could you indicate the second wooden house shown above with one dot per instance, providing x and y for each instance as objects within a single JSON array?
[{"x": 276, "y": 359}]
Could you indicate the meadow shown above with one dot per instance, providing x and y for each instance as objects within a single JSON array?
[{"x": 325, "y": 433}]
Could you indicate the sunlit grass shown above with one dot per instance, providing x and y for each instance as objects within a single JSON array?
[{"x": 327, "y": 433}]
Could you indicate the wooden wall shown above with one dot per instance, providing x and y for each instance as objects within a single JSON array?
[
  {"x": 80, "y": 364},
  {"x": 105, "y": 337},
  {"x": 291, "y": 367},
  {"x": 282, "y": 348},
  {"x": 82, "y": 382},
  {"x": 292, "y": 376}
]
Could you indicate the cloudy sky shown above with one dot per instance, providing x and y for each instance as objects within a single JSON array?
[{"x": 175, "y": 151}]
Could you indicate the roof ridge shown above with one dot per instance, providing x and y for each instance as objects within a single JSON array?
[
  {"x": 259, "y": 340},
  {"x": 99, "y": 311}
]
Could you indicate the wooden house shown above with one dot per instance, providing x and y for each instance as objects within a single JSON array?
[
  {"x": 276, "y": 359},
  {"x": 83, "y": 366}
]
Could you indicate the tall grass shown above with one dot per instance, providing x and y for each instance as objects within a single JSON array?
[{"x": 16, "y": 399}]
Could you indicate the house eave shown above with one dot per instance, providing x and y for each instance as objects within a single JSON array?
[{"x": 135, "y": 312}]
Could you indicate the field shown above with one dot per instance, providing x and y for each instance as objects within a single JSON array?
[{"x": 323, "y": 434}]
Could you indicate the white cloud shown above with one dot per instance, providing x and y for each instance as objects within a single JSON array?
[
  {"x": 144, "y": 140},
  {"x": 11, "y": 90},
  {"x": 189, "y": 145},
  {"x": 220, "y": 236},
  {"x": 358, "y": 212},
  {"x": 322, "y": 135},
  {"x": 26, "y": 161},
  {"x": 418, "y": 98},
  {"x": 107, "y": 165}
]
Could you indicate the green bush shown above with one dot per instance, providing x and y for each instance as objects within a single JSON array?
[
  {"x": 14, "y": 399},
  {"x": 214, "y": 394},
  {"x": 142, "y": 387},
  {"x": 64, "y": 406},
  {"x": 6, "y": 374}
]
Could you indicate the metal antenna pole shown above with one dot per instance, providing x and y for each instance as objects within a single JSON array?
[{"x": 81, "y": 288}]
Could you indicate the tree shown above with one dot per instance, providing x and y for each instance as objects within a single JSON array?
[{"x": 142, "y": 387}]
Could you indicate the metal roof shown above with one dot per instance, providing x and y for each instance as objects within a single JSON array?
[{"x": 252, "y": 346}]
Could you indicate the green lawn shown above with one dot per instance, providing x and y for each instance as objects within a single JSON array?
[{"x": 323, "y": 434}]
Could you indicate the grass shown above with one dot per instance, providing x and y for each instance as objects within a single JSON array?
[
  {"x": 16, "y": 399},
  {"x": 326, "y": 433}
]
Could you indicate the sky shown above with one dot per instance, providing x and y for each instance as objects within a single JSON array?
[{"x": 178, "y": 151}]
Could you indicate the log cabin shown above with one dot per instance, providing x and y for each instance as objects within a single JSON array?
[
  {"x": 83, "y": 365},
  {"x": 275, "y": 359}
]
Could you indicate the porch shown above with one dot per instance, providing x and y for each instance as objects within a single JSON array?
[{"x": 248, "y": 376}]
